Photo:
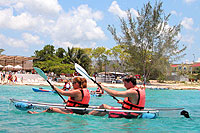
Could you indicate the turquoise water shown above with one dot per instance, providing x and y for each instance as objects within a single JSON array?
[{"x": 13, "y": 120}]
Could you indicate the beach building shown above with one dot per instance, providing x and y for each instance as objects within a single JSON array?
[
  {"x": 179, "y": 72},
  {"x": 16, "y": 63}
]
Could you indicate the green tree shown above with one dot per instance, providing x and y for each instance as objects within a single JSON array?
[
  {"x": 79, "y": 56},
  {"x": 60, "y": 52},
  {"x": 149, "y": 40},
  {"x": 119, "y": 56},
  {"x": 100, "y": 56},
  {"x": 47, "y": 53}
]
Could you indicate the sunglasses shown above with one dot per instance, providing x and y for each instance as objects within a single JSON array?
[{"x": 74, "y": 82}]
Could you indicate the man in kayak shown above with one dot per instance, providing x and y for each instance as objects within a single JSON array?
[
  {"x": 134, "y": 100},
  {"x": 78, "y": 97}
]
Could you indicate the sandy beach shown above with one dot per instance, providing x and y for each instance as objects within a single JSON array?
[{"x": 152, "y": 85}]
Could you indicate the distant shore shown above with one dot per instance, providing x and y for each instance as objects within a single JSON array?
[{"x": 152, "y": 85}]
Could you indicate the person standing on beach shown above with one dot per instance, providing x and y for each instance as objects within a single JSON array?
[
  {"x": 78, "y": 97},
  {"x": 67, "y": 85},
  {"x": 134, "y": 100}
]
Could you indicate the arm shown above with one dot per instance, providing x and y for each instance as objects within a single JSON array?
[
  {"x": 127, "y": 93},
  {"x": 72, "y": 93}
]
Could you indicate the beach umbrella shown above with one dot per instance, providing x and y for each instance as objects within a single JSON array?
[
  {"x": 1, "y": 67},
  {"x": 8, "y": 67},
  {"x": 17, "y": 67}
]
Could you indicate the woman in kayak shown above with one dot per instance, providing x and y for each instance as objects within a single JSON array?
[
  {"x": 78, "y": 97},
  {"x": 134, "y": 100}
]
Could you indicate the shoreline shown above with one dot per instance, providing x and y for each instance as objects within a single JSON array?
[{"x": 153, "y": 85}]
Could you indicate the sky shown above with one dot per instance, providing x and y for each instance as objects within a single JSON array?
[{"x": 29, "y": 25}]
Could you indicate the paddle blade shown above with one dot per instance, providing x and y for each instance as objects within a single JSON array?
[
  {"x": 82, "y": 71},
  {"x": 40, "y": 72}
]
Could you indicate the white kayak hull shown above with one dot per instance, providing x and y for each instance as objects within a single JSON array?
[{"x": 27, "y": 105}]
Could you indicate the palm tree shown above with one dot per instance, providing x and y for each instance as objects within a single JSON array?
[{"x": 77, "y": 55}]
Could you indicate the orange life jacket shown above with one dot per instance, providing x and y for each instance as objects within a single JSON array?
[
  {"x": 85, "y": 100},
  {"x": 140, "y": 103}
]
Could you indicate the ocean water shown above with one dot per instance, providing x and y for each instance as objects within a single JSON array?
[{"x": 13, "y": 120}]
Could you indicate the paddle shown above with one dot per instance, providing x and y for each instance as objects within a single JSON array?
[
  {"x": 82, "y": 71},
  {"x": 42, "y": 74}
]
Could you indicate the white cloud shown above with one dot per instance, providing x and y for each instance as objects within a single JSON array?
[
  {"x": 12, "y": 42},
  {"x": 174, "y": 13},
  {"x": 187, "y": 23},
  {"x": 78, "y": 27},
  {"x": 189, "y": 1},
  {"x": 189, "y": 40},
  {"x": 6, "y": 3},
  {"x": 26, "y": 41},
  {"x": 116, "y": 10},
  {"x": 23, "y": 21},
  {"x": 31, "y": 39},
  {"x": 46, "y": 8}
]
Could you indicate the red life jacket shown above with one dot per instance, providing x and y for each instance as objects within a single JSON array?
[
  {"x": 128, "y": 105},
  {"x": 85, "y": 100},
  {"x": 140, "y": 103},
  {"x": 98, "y": 90}
]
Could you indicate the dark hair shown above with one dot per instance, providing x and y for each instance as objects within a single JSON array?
[
  {"x": 130, "y": 78},
  {"x": 78, "y": 80},
  {"x": 84, "y": 82}
]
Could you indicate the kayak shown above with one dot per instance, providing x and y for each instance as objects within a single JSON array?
[
  {"x": 42, "y": 90},
  {"x": 149, "y": 113},
  {"x": 27, "y": 105}
]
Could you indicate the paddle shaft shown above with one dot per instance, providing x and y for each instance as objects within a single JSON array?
[
  {"x": 55, "y": 90},
  {"x": 85, "y": 74},
  {"x": 102, "y": 88}
]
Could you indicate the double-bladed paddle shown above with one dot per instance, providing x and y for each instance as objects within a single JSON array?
[
  {"x": 82, "y": 71},
  {"x": 42, "y": 74}
]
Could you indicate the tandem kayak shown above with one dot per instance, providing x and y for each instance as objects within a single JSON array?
[
  {"x": 27, "y": 105},
  {"x": 41, "y": 90}
]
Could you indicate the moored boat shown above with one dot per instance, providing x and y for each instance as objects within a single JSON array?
[{"x": 41, "y": 90}]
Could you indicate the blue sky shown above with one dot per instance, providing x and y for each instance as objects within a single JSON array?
[{"x": 29, "y": 25}]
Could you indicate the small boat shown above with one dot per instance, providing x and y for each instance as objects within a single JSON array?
[
  {"x": 95, "y": 94},
  {"x": 42, "y": 90},
  {"x": 27, "y": 105},
  {"x": 158, "y": 88}
]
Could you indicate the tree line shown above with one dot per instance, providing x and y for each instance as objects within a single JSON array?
[{"x": 146, "y": 45}]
